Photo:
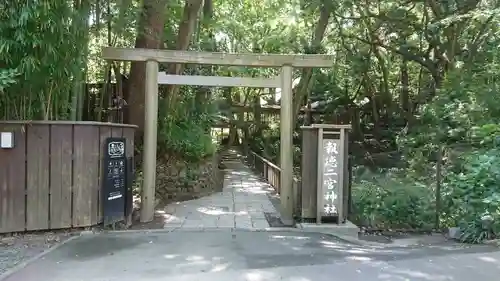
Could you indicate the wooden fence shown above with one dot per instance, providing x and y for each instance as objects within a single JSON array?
[
  {"x": 271, "y": 173},
  {"x": 52, "y": 177}
]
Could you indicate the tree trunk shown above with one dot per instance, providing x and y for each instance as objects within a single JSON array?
[
  {"x": 186, "y": 29},
  {"x": 257, "y": 117},
  {"x": 405, "y": 91},
  {"x": 303, "y": 87},
  {"x": 204, "y": 94},
  {"x": 149, "y": 35}
]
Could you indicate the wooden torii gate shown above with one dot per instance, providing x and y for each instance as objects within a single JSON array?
[{"x": 153, "y": 57}]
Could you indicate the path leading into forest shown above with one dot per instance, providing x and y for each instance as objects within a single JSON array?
[
  {"x": 228, "y": 237},
  {"x": 246, "y": 202}
]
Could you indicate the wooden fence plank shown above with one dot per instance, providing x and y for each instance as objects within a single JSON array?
[
  {"x": 61, "y": 165},
  {"x": 95, "y": 187},
  {"x": 116, "y": 132},
  {"x": 104, "y": 132},
  {"x": 85, "y": 174},
  {"x": 37, "y": 177},
  {"x": 12, "y": 182}
]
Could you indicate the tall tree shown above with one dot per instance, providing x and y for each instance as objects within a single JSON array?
[
  {"x": 187, "y": 27},
  {"x": 150, "y": 36}
]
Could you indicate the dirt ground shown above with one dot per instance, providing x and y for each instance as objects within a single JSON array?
[{"x": 15, "y": 249}]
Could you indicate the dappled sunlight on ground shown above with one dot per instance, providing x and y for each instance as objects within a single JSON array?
[
  {"x": 167, "y": 218},
  {"x": 260, "y": 276},
  {"x": 357, "y": 258},
  {"x": 245, "y": 202},
  {"x": 256, "y": 187},
  {"x": 356, "y": 265},
  {"x": 255, "y": 190},
  {"x": 293, "y": 237},
  {"x": 215, "y": 211},
  {"x": 265, "y": 256},
  {"x": 490, "y": 260},
  {"x": 407, "y": 275},
  {"x": 198, "y": 263}
]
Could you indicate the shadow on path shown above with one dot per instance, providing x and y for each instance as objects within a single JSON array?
[{"x": 246, "y": 255}]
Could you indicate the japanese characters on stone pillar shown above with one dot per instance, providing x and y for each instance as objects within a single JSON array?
[
  {"x": 331, "y": 172},
  {"x": 330, "y": 175}
]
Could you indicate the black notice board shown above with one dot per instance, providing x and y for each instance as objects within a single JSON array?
[{"x": 115, "y": 180}]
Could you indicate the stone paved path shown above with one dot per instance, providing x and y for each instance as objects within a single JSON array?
[{"x": 241, "y": 204}]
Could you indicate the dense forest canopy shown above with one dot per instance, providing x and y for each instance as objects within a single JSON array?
[{"x": 417, "y": 79}]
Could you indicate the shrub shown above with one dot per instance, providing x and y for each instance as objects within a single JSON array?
[
  {"x": 472, "y": 196},
  {"x": 186, "y": 135},
  {"x": 387, "y": 200}
]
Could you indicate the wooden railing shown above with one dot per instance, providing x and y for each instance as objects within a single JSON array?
[{"x": 271, "y": 173}]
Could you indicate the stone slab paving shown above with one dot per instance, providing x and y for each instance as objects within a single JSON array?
[
  {"x": 240, "y": 255},
  {"x": 241, "y": 204}
]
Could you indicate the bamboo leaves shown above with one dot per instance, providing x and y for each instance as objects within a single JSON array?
[{"x": 40, "y": 45}]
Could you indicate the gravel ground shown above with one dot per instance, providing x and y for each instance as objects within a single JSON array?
[{"x": 20, "y": 248}]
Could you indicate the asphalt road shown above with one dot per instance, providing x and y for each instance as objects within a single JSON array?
[{"x": 254, "y": 256}]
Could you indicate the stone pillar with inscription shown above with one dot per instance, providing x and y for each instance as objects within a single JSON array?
[{"x": 325, "y": 174}]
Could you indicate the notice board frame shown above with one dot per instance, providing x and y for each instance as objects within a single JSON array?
[{"x": 115, "y": 180}]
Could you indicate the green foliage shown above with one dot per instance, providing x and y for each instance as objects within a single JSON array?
[
  {"x": 464, "y": 118},
  {"x": 267, "y": 140},
  {"x": 7, "y": 78},
  {"x": 472, "y": 197},
  {"x": 186, "y": 135},
  {"x": 390, "y": 201},
  {"x": 41, "y": 41}
]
